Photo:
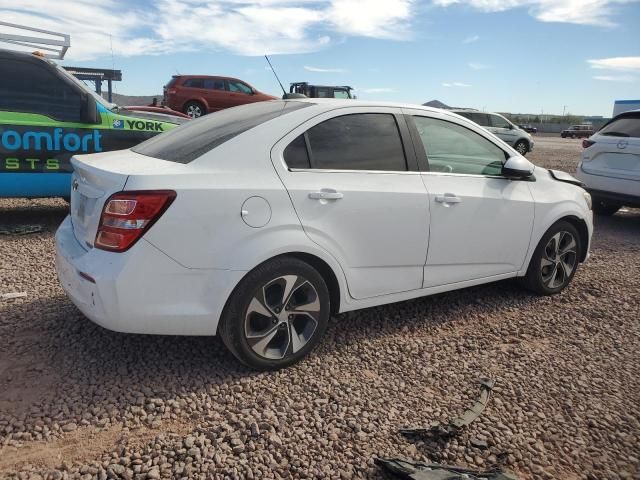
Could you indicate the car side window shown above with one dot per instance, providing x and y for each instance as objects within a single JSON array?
[
  {"x": 453, "y": 148},
  {"x": 214, "y": 84},
  {"x": 30, "y": 88},
  {"x": 296, "y": 154},
  {"x": 194, "y": 83},
  {"x": 239, "y": 87},
  {"x": 481, "y": 119},
  {"x": 323, "y": 93},
  {"x": 499, "y": 122},
  {"x": 340, "y": 94},
  {"x": 363, "y": 141}
]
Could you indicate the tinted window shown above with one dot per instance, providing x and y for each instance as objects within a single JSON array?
[
  {"x": 239, "y": 87},
  {"x": 296, "y": 155},
  {"x": 323, "y": 93},
  {"x": 481, "y": 119},
  {"x": 194, "y": 83},
  {"x": 214, "y": 84},
  {"x": 196, "y": 137},
  {"x": 456, "y": 149},
  {"x": 627, "y": 126},
  {"x": 499, "y": 122},
  {"x": 33, "y": 88},
  {"x": 368, "y": 141}
]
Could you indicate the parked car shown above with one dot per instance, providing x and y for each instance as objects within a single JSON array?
[
  {"x": 321, "y": 91},
  {"x": 197, "y": 95},
  {"x": 528, "y": 128},
  {"x": 47, "y": 115},
  {"x": 501, "y": 127},
  {"x": 258, "y": 222},
  {"x": 577, "y": 131},
  {"x": 610, "y": 165}
]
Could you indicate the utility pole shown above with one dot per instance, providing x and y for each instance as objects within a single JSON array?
[{"x": 564, "y": 109}]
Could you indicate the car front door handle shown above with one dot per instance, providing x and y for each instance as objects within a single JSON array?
[
  {"x": 448, "y": 198},
  {"x": 326, "y": 194}
]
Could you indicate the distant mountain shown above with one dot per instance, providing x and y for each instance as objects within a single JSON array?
[
  {"x": 124, "y": 100},
  {"x": 436, "y": 104}
]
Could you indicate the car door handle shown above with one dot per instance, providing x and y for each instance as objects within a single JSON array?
[
  {"x": 448, "y": 198},
  {"x": 326, "y": 194}
]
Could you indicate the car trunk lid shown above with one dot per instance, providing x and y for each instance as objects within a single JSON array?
[
  {"x": 96, "y": 177},
  {"x": 615, "y": 157}
]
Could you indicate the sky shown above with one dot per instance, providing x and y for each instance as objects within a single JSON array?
[{"x": 518, "y": 56}]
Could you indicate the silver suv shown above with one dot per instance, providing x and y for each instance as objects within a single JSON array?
[{"x": 500, "y": 127}]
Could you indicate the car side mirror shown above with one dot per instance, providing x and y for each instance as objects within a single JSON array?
[
  {"x": 517, "y": 167},
  {"x": 89, "y": 110}
]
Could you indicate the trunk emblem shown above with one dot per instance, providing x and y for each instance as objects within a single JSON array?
[
  {"x": 74, "y": 185},
  {"x": 622, "y": 144}
]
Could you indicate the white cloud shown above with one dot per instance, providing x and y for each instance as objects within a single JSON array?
[
  {"x": 477, "y": 66},
  {"x": 582, "y": 12},
  {"x": 615, "y": 78},
  {"x": 245, "y": 27},
  {"x": 455, "y": 84},
  {"x": 616, "y": 63},
  {"x": 471, "y": 39},
  {"x": 323, "y": 70}
]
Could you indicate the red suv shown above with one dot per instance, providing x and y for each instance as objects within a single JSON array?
[{"x": 197, "y": 95}]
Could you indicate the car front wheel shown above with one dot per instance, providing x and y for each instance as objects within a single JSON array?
[
  {"x": 276, "y": 315},
  {"x": 555, "y": 260},
  {"x": 522, "y": 147}
]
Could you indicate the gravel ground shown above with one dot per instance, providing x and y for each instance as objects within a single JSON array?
[{"x": 78, "y": 401}]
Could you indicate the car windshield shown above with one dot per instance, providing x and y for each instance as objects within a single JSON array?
[
  {"x": 195, "y": 138},
  {"x": 81, "y": 84}
]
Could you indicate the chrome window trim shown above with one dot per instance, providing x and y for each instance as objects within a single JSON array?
[{"x": 394, "y": 172}]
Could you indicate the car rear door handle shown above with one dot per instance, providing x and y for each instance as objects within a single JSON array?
[
  {"x": 326, "y": 194},
  {"x": 448, "y": 198}
]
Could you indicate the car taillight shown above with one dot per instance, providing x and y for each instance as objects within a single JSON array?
[
  {"x": 127, "y": 215},
  {"x": 586, "y": 143}
]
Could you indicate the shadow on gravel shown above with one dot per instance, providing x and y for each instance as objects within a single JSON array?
[{"x": 49, "y": 215}]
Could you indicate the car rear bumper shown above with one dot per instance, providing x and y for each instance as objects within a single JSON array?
[
  {"x": 141, "y": 290},
  {"x": 624, "y": 191}
]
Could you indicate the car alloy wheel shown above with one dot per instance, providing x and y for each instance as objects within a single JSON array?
[
  {"x": 282, "y": 317},
  {"x": 521, "y": 148},
  {"x": 194, "y": 110},
  {"x": 559, "y": 260}
]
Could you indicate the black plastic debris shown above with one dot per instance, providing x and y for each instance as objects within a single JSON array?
[
  {"x": 412, "y": 470},
  {"x": 455, "y": 426}
]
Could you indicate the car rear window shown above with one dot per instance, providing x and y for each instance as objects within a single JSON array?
[
  {"x": 195, "y": 138},
  {"x": 627, "y": 126}
]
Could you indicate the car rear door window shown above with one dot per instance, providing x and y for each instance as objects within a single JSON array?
[
  {"x": 214, "y": 84},
  {"x": 32, "y": 88},
  {"x": 296, "y": 154},
  {"x": 197, "y": 137},
  {"x": 481, "y": 119},
  {"x": 367, "y": 141},
  {"x": 452, "y": 148},
  {"x": 627, "y": 126},
  {"x": 239, "y": 87}
]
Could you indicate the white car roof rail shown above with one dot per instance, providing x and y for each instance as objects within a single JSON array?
[{"x": 55, "y": 43}]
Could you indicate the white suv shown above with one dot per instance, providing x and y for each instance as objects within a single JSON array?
[
  {"x": 610, "y": 166},
  {"x": 259, "y": 222}
]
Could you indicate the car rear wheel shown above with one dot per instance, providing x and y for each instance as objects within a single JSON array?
[
  {"x": 604, "y": 207},
  {"x": 522, "y": 147},
  {"x": 276, "y": 315},
  {"x": 194, "y": 109},
  {"x": 555, "y": 260}
]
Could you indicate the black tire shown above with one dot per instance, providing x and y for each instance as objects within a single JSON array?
[
  {"x": 242, "y": 325},
  {"x": 522, "y": 147},
  {"x": 194, "y": 109},
  {"x": 604, "y": 207},
  {"x": 539, "y": 273}
]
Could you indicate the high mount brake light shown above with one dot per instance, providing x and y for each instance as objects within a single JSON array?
[
  {"x": 127, "y": 215},
  {"x": 586, "y": 143}
]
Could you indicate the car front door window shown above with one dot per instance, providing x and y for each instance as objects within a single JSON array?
[
  {"x": 239, "y": 87},
  {"x": 452, "y": 148}
]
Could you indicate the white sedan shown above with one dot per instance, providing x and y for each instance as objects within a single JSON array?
[{"x": 259, "y": 222}]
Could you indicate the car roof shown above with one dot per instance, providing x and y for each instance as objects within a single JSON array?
[{"x": 331, "y": 103}]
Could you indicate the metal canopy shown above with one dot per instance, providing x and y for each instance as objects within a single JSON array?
[{"x": 54, "y": 45}]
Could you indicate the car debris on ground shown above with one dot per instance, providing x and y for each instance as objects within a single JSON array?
[
  {"x": 413, "y": 470},
  {"x": 455, "y": 426}
]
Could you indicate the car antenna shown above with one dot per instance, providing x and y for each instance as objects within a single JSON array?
[{"x": 285, "y": 95}]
